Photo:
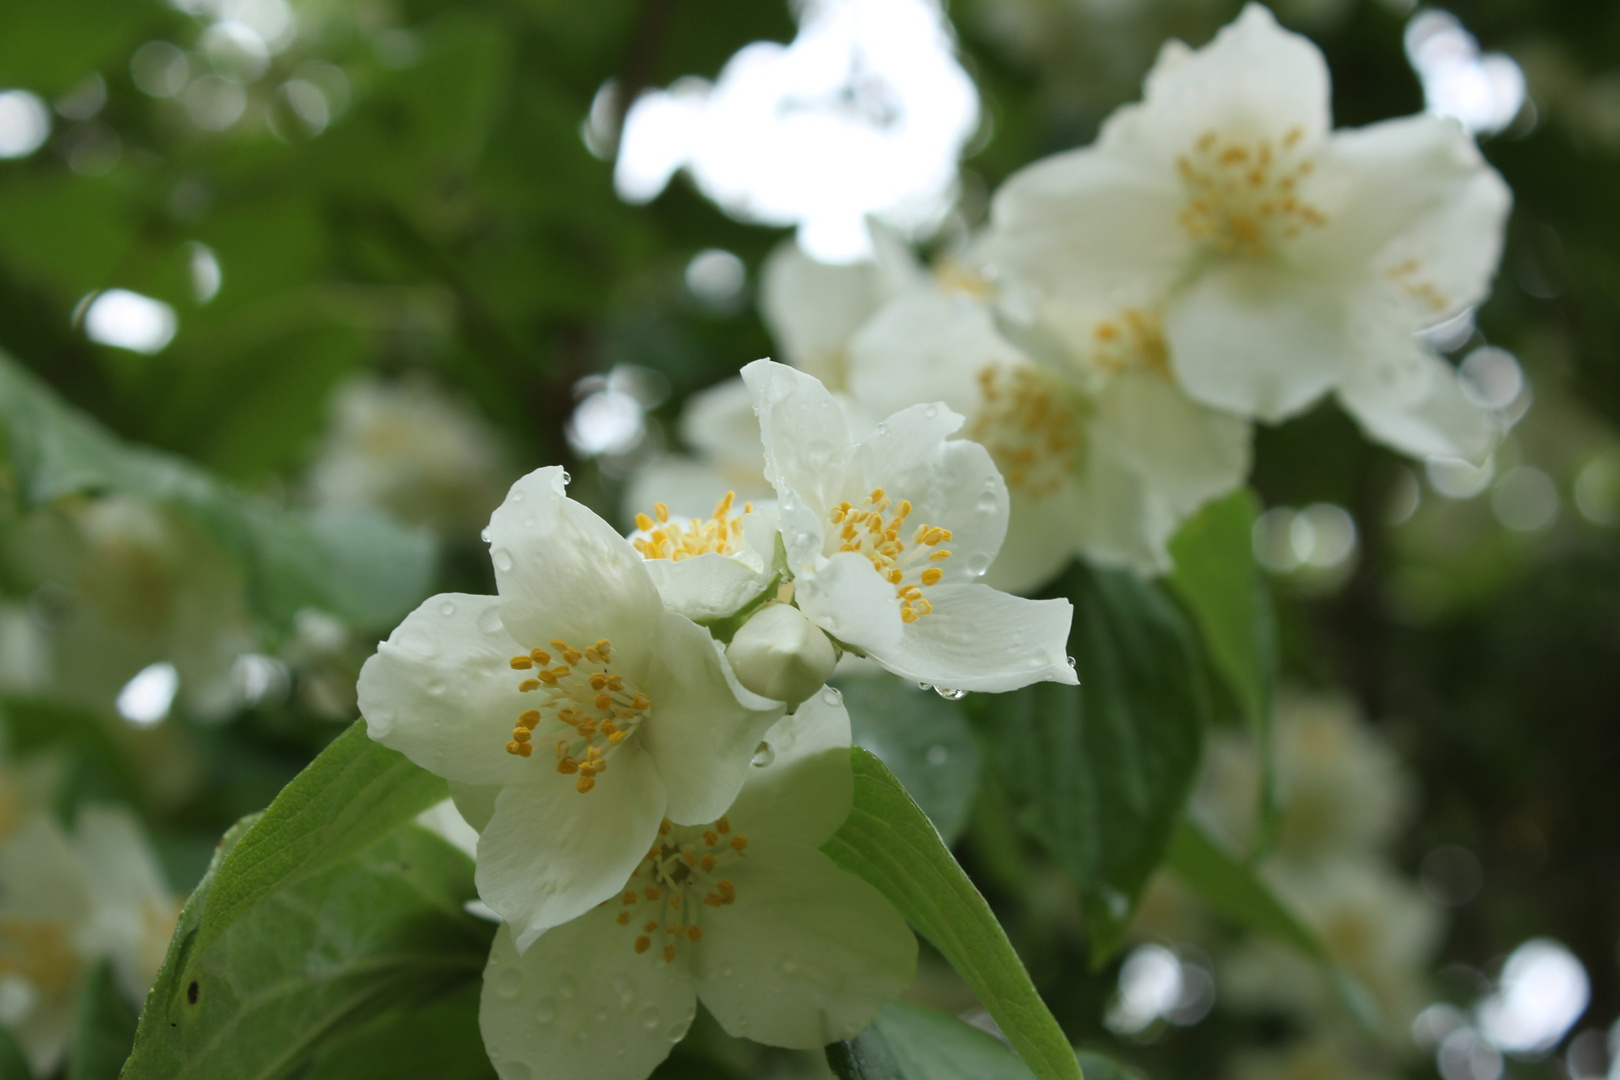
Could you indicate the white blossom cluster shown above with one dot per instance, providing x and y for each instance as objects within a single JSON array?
[
  {"x": 1220, "y": 255},
  {"x": 640, "y": 732}
]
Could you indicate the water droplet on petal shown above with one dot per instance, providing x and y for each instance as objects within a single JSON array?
[
  {"x": 950, "y": 695},
  {"x": 931, "y": 412},
  {"x": 1072, "y": 665},
  {"x": 509, "y": 982},
  {"x": 937, "y": 754},
  {"x": 763, "y": 755},
  {"x": 674, "y": 1032},
  {"x": 925, "y": 686},
  {"x": 447, "y": 609},
  {"x": 544, "y": 1013},
  {"x": 987, "y": 504},
  {"x": 978, "y": 563},
  {"x": 621, "y": 986},
  {"x": 831, "y": 696},
  {"x": 883, "y": 428},
  {"x": 503, "y": 560},
  {"x": 484, "y": 536},
  {"x": 489, "y": 620},
  {"x": 649, "y": 1017},
  {"x": 566, "y": 478}
]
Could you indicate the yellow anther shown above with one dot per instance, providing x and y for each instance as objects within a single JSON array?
[
  {"x": 664, "y": 827},
  {"x": 627, "y": 899},
  {"x": 547, "y": 677},
  {"x": 623, "y": 918},
  {"x": 604, "y": 701},
  {"x": 907, "y": 614},
  {"x": 643, "y": 522},
  {"x": 688, "y": 858},
  {"x": 693, "y": 934},
  {"x": 941, "y": 555},
  {"x": 877, "y": 495},
  {"x": 529, "y": 684},
  {"x": 652, "y": 892},
  {"x": 529, "y": 718},
  {"x": 675, "y": 901},
  {"x": 584, "y": 783},
  {"x": 662, "y": 511},
  {"x": 521, "y": 734},
  {"x": 711, "y": 838},
  {"x": 723, "y": 826},
  {"x": 706, "y": 863},
  {"x": 595, "y": 657},
  {"x": 519, "y": 749},
  {"x": 643, "y": 944},
  {"x": 669, "y": 953},
  {"x": 739, "y": 842},
  {"x": 651, "y": 924},
  {"x": 568, "y": 766},
  {"x": 932, "y": 575},
  {"x": 522, "y": 663},
  {"x": 598, "y": 681}
]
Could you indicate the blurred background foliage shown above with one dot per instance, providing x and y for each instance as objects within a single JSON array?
[{"x": 420, "y": 194}]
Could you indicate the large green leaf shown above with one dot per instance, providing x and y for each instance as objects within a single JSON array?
[
  {"x": 1217, "y": 578},
  {"x": 923, "y": 739},
  {"x": 441, "y": 1041},
  {"x": 889, "y": 842},
  {"x": 350, "y": 796},
  {"x": 1101, "y": 771},
  {"x": 13, "y": 1065},
  {"x": 1232, "y": 888},
  {"x": 382, "y": 933},
  {"x": 103, "y": 1028},
  {"x": 360, "y": 567}
]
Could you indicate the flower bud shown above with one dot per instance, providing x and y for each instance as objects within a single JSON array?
[{"x": 782, "y": 655}]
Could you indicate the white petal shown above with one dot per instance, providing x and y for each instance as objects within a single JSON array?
[
  {"x": 582, "y": 1004},
  {"x": 1423, "y": 203},
  {"x": 551, "y": 853},
  {"x": 806, "y": 955},
  {"x": 1255, "y": 78},
  {"x": 927, "y": 345},
  {"x": 1257, "y": 341},
  {"x": 706, "y": 586},
  {"x": 441, "y": 690},
  {"x": 1427, "y": 415},
  {"x": 1043, "y": 536},
  {"x": 979, "y": 639},
  {"x": 704, "y": 727},
  {"x": 475, "y": 802},
  {"x": 1126, "y": 525},
  {"x": 849, "y": 599},
  {"x": 812, "y": 307},
  {"x": 1184, "y": 452},
  {"x": 805, "y": 790},
  {"x": 805, "y": 434},
  {"x": 565, "y": 573}
]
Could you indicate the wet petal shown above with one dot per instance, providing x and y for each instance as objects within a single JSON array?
[{"x": 979, "y": 639}]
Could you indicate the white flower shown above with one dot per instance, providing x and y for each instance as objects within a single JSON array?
[
  {"x": 744, "y": 914},
  {"x": 134, "y": 911},
  {"x": 1288, "y": 260},
  {"x": 45, "y": 950},
  {"x": 886, "y": 538},
  {"x": 708, "y": 568},
  {"x": 632, "y": 709},
  {"x": 780, "y": 654},
  {"x": 1103, "y": 453},
  {"x": 410, "y": 450}
]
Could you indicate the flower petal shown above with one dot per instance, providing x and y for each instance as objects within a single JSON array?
[
  {"x": 806, "y": 955},
  {"x": 805, "y": 791},
  {"x": 812, "y": 307},
  {"x": 706, "y": 586},
  {"x": 475, "y": 802},
  {"x": 979, "y": 639},
  {"x": 1427, "y": 415},
  {"x": 549, "y": 854},
  {"x": 581, "y": 1004},
  {"x": 1184, "y": 452},
  {"x": 565, "y": 573},
  {"x": 1256, "y": 341},
  {"x": 927, "y": 345},
  {"x": 849, "y": 599},
  {"x": 441, "y": 690},
  {"x": 1043, "y": 535},
  {"x": 806, "y": 436},
  {"x": 704, "y": 727},
  {"x": 1126, "y": 524}
]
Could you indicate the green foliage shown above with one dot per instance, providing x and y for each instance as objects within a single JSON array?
[
  {"x": 1100, "y": 772},
  {"x": 1233, "y": 888},
  {"x": 889, "y": 842},
  {"x": 923, "y": 739},
  {"x": 353, "y": 794},
  {"x": 103, "y": 1028},
  {"x": 13, "y": 1066},
  {"x": 360, "y": 567}
]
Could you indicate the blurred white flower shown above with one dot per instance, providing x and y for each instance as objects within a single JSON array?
[
  {"x": 1286, "y": 260},
  {"x": 410, "y": 450}
]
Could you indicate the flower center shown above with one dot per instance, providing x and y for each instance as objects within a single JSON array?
[
  {"x": 909, "y": 565},
  {"x": 685, "y": 862},
  {"x": 1245, "y": 196},
  {"x": 675, "y": 540},
  {"x": 1030, "y": 426},
  {"x": 38, "y": 951},
  {"x": 589, "y": 708},
  {"x": 1132, "y": 339},
  {"x": 1408, "y": 278}
]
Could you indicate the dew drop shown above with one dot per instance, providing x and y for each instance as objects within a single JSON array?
[
  {"x": 650, "y": 1017},
  {"x": 489, "y": 620},
  {"x": 931, "y": 412},
  {"x": 925, "y": 686},
  {"x": 883, "y": 428},
  {"x": 544, "y": 1013},
  {"x": 978, "y": 563},
  {"x": 503, "y": 560},
  {"x": 764, "y": 754},
  {"x": 566, "y": 478},
  {"x": 484, "y": 536},
  {"x": 1072, "y": 665},
  {"x": 447, "y": 609},
  {"x": 950, "y": 695},
  {"x": 516, "y": 496},
  {"x": 621, "y": 986},
  {"x": 674, "y": 1032},
  {"x": 831, "y": 696},
  {"x": 987, "y": 504},
  {"x": 509, "y": 982},
  {"x": 938, "y": 755}
]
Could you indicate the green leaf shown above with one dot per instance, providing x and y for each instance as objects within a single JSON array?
[
  {"x": 361, "y": 567},
  {"x": 923, "y": 739},
  {"x": 1102, "y": 771},
  {"x": 1217, "y": 578},
  {"x": 889, "y": 842},
  {"x": 350, "y": 796},
  {"x": 908, "y": 1042},
  {"x": 441, "y": 1041},
  {"x": 383, "y": 932},
  {"x": 103, "y": 1028},
  {"x": 13, "y": 1065},
  {"x": 1232, "y": 888}
]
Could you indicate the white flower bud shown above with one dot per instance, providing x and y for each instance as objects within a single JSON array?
[{"x": 782, "y": 655}]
